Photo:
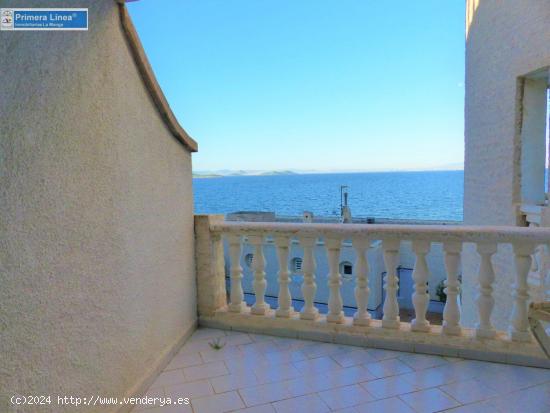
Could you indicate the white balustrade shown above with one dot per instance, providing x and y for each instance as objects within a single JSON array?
[
  {"x": 237, "y": 303},
  {"x": 335, "y": 304},
  {"x": 420, "y": 298},
  {"x": 362, "y": 291},
  {"x": 523, "y": 240},
  {"x": 259, "y": 284},
  {"x": 285, "y": 300},
  {"x": 519, "y": 330},
  {"x": 451, "y": 312},
  {"x": 309, "y": 287},
  {"x": 485, "y": 300},
  {"x": 391, "y": 318}
]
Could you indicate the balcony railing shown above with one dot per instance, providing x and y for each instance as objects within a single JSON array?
[{"x": 451, "y": 338}]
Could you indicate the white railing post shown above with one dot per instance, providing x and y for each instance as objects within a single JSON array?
[
  {"x": 451, "y": 312},
  {"x": 391, "y": 307},
  {"x": 362, "y": 316},
  {"x": 236, "y": 296},
  {"x": 285, "y": 300},
  {"x": 519, "y": 330},
  {"x": 259, "y": 285},
  {"x": 309, "y": 288},
  {"x": 335, "y": 305},
  {"x": 421, "y": 297},
  {"x": 485, "y": 300},
  {"x": 210, "y": 266}
]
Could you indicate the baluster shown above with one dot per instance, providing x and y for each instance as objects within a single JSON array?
[
  {"x": 362, "y": 316},
  {"x": 236, "y": 296},
  {"x": 260, "y": 307},
  {"x": 285, "y": 300},
  {"x": 391, "y": 284},
  {"x": 519, "y": 330},
  {"x": 335, "y": 313},
  {"x": 451, "y": 313},
  {"x": 420, "y": 297},
  {"x": 485, "y": 300},
  {"x": 309, "y": 288}
]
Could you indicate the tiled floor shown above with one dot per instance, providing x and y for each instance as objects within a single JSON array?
[{"x": 256, "y": 374}]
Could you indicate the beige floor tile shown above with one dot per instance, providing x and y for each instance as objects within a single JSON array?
[
  {"x": 218, "y": 403},
  {"x": 262, "y": 347},
  {"x": 169, "y": 378},
  {"x": 469, "y": 391},
  {"x": 391, "y": 405},
  {"x": 196, "y": 346},
  {"x": 307, "y": 403},
  {"x": 317, "y": 365},
  {"x": 350, "y": 375},
  {"x": 185, "y": 408},
  {"x": 265, "y": 393},
  {"x": 388, "y": 387},
  {"x": 264, "y": 408},
  {"x": 422, "y": 361},
  {"x": 533, "y": 400},
  {"x": 184, "y": 360},
  {"x": 285, "y": 356},
  {"x": 224, "y": 353},
  {"x": 381, "y": 354},
  {"x": 191, "y": 390},
  {"x": 478, "y": 407},
  {"x": 270, "y": 374},
  {"x": 353, "y": 358},
  {"x": 347, "y": 396},
  {"x": 387, "y": 368},
  {"x": 205, "y": 371},
  {"x": 429, "y": 401},
  {"x": 434, "y": 377},
  {"x": 325, "y": 349},
  {"x": 245, "y": 363},
  {"x": 229, "y": 382},
  {"x": 290, "y": 343}
]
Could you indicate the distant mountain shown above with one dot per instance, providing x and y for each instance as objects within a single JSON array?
[
  {"x": 254, "y": 172},
  {"x": 195, "y": 175},
  {"x": 279, "y": 173},
  {"x": 226, "y": 172}
]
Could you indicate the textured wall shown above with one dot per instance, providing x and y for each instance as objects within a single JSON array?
[
  {"x": 505, "y": 39},
  {"x": 96, "y": 215}
]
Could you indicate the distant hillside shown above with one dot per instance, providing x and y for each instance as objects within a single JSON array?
[
  {"x": 279, "y": 173},
  {"x": 226, "y": 172},
  {"x": 207, "y": 176}
]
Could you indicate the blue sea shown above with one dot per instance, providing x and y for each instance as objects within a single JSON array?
[{"x": 433, "y": 195}]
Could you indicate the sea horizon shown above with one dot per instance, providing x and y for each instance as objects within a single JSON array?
[
  {"x": 247, "y": 172},
  {"x": 415, "y": 195}
]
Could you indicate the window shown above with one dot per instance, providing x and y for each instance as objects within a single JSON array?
[
  {"x": 346, "y": 268},
  {"x": 533, "y": 131},
  {"x": 296, "y": 264},
  {"x": 248, "y": 258}
]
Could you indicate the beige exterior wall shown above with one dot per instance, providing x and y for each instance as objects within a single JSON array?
[
  {"x": 506, "y": 39},
  {"x": 97, "y": 277}
]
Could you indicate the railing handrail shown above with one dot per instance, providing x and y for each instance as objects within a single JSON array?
[{"x": 433, "y": 233}]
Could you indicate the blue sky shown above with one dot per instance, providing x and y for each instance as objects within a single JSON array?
[{"x": 335, "y": 85}]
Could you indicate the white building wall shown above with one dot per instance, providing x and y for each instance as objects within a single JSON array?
[
  {"x": 505, "y": 39},
  {"x": 97, "y": 278}
]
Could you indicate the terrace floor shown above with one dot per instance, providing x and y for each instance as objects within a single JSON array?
[{"x": 257, "y": 373}]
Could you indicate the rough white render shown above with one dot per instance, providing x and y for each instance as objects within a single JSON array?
[
  {"x": 96, "y": 218},
  {"x": 505, "y": 40}
]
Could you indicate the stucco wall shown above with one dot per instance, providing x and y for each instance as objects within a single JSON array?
[
  {"x": 505, "y": 39},
  {"x": 96, "y": 215}
]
